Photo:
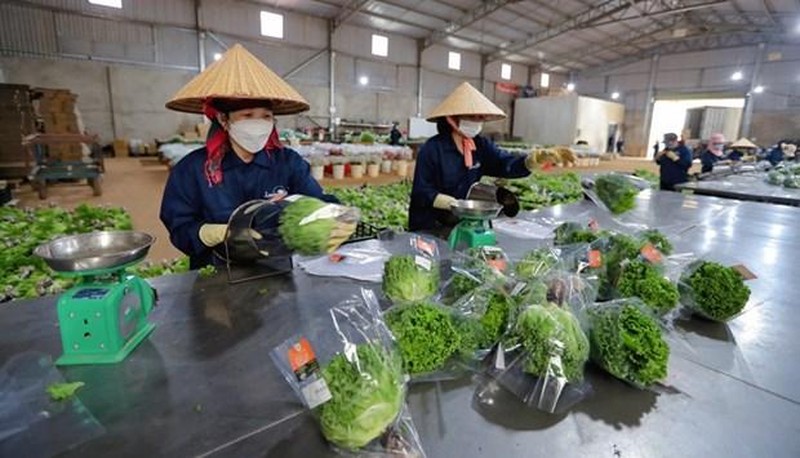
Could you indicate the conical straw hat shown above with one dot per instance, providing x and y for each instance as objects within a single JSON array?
[
  {"x": 467, "y": 101},
  {"x": 238, "y": 75},
  {"x": 743, "y": 143}
]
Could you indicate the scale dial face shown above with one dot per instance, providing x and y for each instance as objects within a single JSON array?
[{"x": 130, "y": 312}]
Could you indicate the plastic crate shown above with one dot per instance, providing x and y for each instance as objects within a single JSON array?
[{"x": 364, "y": 231}]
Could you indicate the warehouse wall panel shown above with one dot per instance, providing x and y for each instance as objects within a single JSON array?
[
  {"x": 26, "y": 30},
  {"x": 176, "y": 47},
  {"x": 435, "y": 59},
  {"x": 170, "y": 11},
  {"x": 357, "y": 41}
]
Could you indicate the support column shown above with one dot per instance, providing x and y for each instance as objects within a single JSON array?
[
  {"x": 649, "y": 102},
  {"x": 483, "y": 72},
  {"x": 747, "y": 117},
  {"x": 420, "y": 50},
  {"x": 201, "y": 37},
  {"x": 331, "y": 79}
]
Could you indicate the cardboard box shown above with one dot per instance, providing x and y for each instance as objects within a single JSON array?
[{"x": 121, "y": 148}]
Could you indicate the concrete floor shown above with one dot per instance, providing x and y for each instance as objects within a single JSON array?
[{"x": 137, "y": 185}]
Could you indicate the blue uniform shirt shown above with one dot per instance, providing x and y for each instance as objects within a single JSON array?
[
  {"x": 440, "y": 170},
  {"x": 189, "y": 201},
  {"x": 708, "y": 159},
  {"x": 775, "y": 155},
  {"x": 676, "y": 172}
]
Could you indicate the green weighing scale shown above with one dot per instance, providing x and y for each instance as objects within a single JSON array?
[
  {"x": 474, "y": 228},
  {"x": 104, "y": 317}
]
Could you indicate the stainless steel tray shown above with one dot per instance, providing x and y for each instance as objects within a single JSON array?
[{"x": 95, "y": 250}]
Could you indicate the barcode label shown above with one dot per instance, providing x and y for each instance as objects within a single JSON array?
[
  {"x": 423, "y": 262},
  {"x": 316, "y": 393}
]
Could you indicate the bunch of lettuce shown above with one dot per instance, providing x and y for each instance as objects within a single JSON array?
[
  {"x": 406, "y": 281},
  {"x": 426, "y": 336},
  {"x": 535, "y": 264},
  {"x": 366, "y": 396},
  {"x": 715, "y": 291},
  {"x": 484, "y": 319},
  {"x": 313, "y": 237},
  {"x": 549, "y": 333},
  {"x": 570, "y": 233},
  {"x": 627, "y": 342},
  {"x": 616, "y": 192},
  {"x": 641, "y": 279}
]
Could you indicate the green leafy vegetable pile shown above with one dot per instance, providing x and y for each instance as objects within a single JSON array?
[
  {"x": 312, "y": 237},
  {"x": 485, "y": 318},
  {"x": 366, "y": 397},
  {"x": 547, "y": 332},
  {"x": 63, "y": 391},
  {"x": 617, "y": 192},
  {"x": 652, "y": 178},
  {"x": 149, "y": 269},
  {"x": 406, "y": 281},
  {"x": 426, "y": 336},
  {"x": 641, "y": 279},
  {"x": 23, "y": 275},
  {"x": 544, "y": 190},
  {"x": 786, "y": 176},
  {"x": 627, "y": 342},
  {"x": 715, "y": 291},
  {"x": 385, "y": 207}
]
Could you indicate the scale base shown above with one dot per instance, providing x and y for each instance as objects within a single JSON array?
[
  {"x": 472, "y": 234},
  {"x": 107, "y": 358}
]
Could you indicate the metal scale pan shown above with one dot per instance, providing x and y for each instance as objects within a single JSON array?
[{"x": 95, "y": 252}]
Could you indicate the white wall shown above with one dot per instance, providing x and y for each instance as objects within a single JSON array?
[
  {"x": 546, "y": 120},
  {"x": 776, "y": 112}
]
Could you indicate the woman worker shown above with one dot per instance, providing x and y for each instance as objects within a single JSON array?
[
  {"x": 455, "y": 159},
  {"x": 243, "y": 159},
  {"x": 713, "y": 152}
]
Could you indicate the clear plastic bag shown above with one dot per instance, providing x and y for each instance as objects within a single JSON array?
[
  {"x": 542, "y": 358},
  {"x": 27, "y": 414},
  {"x": 474, "y": 268},
  {"x": 627, "y": 341},
  {"x": 310, "y": 226},
  {"x": 414, "y": 275},
  {"x": 713, "y": 291},
  {"x": 351, "y": 374},
  {"x": 434, "y": 341},
  {"x": 360, "y": 261}
]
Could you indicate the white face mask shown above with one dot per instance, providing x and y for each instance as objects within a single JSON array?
[
  {"x": 251, "y": 134},
  {"x": 470, "y": 128}
]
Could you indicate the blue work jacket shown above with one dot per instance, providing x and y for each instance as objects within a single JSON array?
[
  {"x": 190, "y": 201},
  {"x": 775, "y": 155},
  {"x": 440, "y": 169},
  {"x": 708, "y": 159}
]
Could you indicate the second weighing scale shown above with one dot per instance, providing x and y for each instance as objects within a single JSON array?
[{"x": 474, "y": 228}]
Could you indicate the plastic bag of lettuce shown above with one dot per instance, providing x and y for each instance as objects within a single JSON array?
[
  {"x": 542, "y": 356},
  {"x": 349, "y": 372}
]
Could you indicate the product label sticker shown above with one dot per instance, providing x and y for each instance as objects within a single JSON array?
[
  {"x": 302, "y": 359},
  {"x": 746, "y": 273},
  {"x": 594, "y": 225},
  {"x": 424, "y": 246},
  {"x": 651, "y": 254},
  {"x": 423, "y": 262},
  {"x": 316, "y": 393},
  {"x": 595, "y": 259},
  {"x": 329, "y": 211}
]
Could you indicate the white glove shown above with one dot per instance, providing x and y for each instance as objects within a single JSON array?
[
  {"x": 530, "y": 162},
  {"x": 212, "y": 234},
  {"x": 443, "y": 201},
  {"x": 672, "y": 155}
]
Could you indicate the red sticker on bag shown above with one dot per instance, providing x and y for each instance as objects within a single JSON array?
[
  {"x": 651, "y": 253},
  {"x": 302, "y": 359},
  {"x": 595, "y": 259}
]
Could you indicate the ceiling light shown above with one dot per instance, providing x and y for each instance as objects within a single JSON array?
[
  {"x": 737, "y": 76},
  {"x": 758, "y": 89},
  {"x": 363, "y": 80},
  {"x": 615, "y": 95},
  {"x": 217, "y": 56},
  {"x": 570, "y": 87}
]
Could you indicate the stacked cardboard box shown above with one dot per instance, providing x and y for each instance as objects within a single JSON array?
[
  {"x": 16, "y": 121},
  {"x": 56, "y": 108}
]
